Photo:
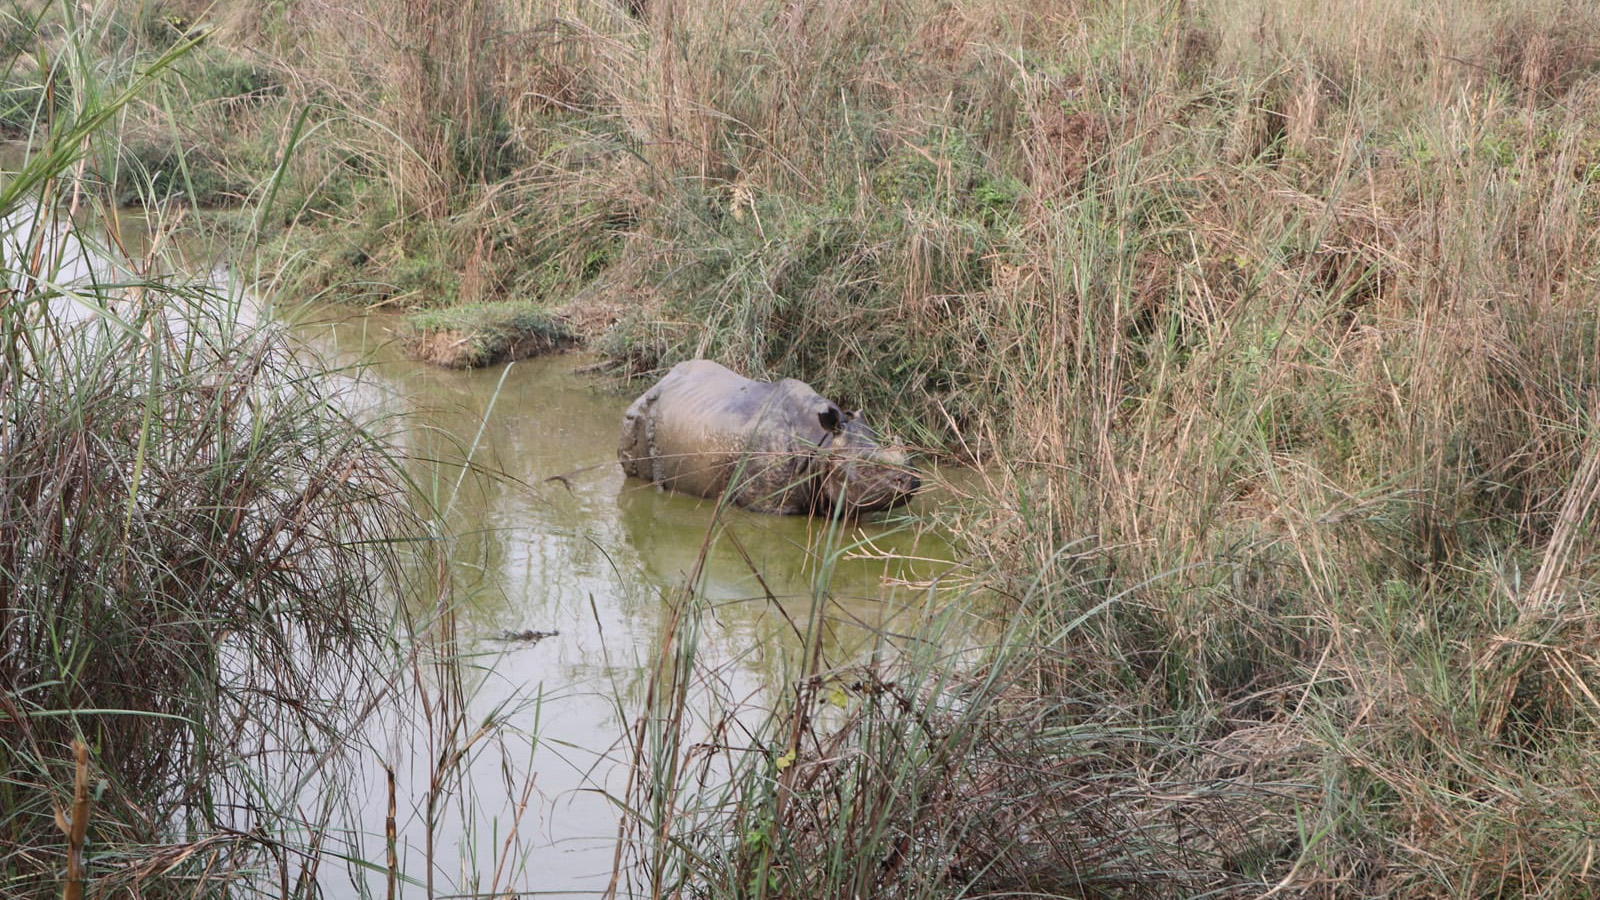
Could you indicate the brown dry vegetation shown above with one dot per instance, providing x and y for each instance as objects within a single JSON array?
[
  {"x": 1284, "y": 314},
  {"x": 1274, "y": 322}
]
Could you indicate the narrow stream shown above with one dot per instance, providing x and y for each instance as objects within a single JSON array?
[{"x": 553, "y": 538}]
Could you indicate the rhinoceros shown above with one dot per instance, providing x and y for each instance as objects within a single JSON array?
[{"x": 777, "y": 447}]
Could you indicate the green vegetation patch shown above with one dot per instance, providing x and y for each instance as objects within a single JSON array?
[
  {"x": 948, "y": 173},
  {"x": 161, "y": 170},
  {"x": 22, "y": 94},
  {"x": 483, "y": 334}
]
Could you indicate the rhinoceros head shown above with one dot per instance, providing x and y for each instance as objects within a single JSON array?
[{"x": 858, "y": 473}]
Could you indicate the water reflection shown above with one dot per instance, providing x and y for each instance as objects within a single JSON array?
[{"x": 553, "y": 538}]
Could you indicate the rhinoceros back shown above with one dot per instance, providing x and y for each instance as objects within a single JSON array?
[{"x": 703, "y": 426}]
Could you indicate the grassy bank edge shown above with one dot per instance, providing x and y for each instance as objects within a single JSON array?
[{"x": 1294, "y": 325}]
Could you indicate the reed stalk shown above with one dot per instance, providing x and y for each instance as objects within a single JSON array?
[{"x": 1271, "y": 325}]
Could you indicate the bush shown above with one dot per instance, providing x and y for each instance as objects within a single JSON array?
[{"x": 194, "y": 537}]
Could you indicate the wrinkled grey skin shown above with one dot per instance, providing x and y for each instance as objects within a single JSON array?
[{"x": 782, "y": 446}]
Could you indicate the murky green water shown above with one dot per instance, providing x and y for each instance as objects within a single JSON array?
[
  {"x": 550, "y": 537},
  {"x": 553, "y": 538}
]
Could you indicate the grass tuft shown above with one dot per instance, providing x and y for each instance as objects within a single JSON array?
[{"x": 471, "y": 337}]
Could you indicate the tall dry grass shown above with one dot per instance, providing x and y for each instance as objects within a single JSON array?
[
  {"x": 437, "y": 69},
  {"x": 209, "y": 562},
  {"x": 1289, "y": 310},
  {"x": 1273, "y": 324}
]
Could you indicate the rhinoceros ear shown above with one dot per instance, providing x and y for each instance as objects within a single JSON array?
[{"x": 830, "y": 418}]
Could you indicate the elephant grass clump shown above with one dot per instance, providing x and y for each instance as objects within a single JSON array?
[
  {"x": 196, "y": 561},
  {"x": 923, "y": 774},
  {"x": 203, "y": 553}
]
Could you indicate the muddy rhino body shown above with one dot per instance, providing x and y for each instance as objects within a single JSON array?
[{"x": 781, "y": 446}]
